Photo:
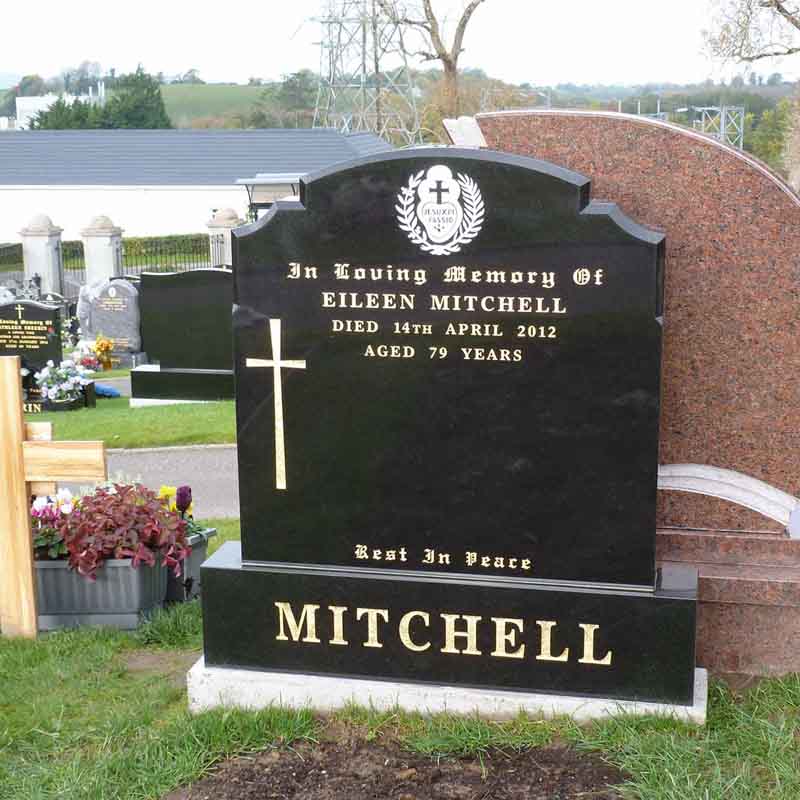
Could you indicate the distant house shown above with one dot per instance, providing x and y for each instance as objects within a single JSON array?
[{"x": 153, "y": 182}]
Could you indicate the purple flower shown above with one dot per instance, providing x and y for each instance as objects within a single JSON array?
[{"x": 183, "y": 499}]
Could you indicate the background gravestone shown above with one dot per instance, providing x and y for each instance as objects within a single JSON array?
[
  {"x": 31, "y": 331},
  {"x": 111, "y": 309},
  {"x": 448, "y": 381},
  {"x": 186, "y": 331}
]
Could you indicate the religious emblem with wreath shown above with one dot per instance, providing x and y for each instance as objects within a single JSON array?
[{"x": 440, "y": 213}]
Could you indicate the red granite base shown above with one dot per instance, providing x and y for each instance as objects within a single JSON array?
[{"x": 748, "y": 619}]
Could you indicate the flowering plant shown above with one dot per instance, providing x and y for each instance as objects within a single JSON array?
[
  {"x": 46, "y": 513},
  {"x": 64, "y": 382},
  {"x": 124, "y": 521},
  {"x": 102, "y": 348},
  {"x": 179, "y": 500}
]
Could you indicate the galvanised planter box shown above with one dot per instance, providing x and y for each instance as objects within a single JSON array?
[
  {"x": 187, "y": 587},
  {"x": 119, "y": 596}
]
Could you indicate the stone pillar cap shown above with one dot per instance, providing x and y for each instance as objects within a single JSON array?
[
  {"x": 41, "y": 225},
  {"x": 225, "y": 218},
  {"x": 101, "y": 225}
]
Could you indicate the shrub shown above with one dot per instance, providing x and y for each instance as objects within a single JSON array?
[{"x": 123, "y": 521}]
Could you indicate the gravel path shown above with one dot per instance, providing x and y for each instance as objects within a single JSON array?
[{"x": 210, "y": 470}]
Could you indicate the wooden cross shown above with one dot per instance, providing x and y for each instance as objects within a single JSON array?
[
  {"x": 276, "y": 364},
  {"x": 30, "y": 463}
]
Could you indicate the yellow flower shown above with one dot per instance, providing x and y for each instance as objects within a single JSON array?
[{"x": 167, "y": 495}]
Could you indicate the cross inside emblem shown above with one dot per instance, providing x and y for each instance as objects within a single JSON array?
[
  {"x": 276, "y": 364},
  {"x": 439, "y": 190}
]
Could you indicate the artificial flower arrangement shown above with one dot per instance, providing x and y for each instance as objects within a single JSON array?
[
  {"x": 102, "y": 348},
  {"x": 84, "y": 355},
  {"x": 63, "y": 382},
  {"x": 119, "y": 521}
]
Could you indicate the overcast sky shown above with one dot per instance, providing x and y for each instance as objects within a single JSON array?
[{"x": 539, "y": 41}]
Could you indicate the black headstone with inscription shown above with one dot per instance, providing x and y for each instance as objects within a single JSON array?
[
  {"x": 186, "y": 331},
  {"x": 448, "y": 379},
  {"x": 31, "y": 331}
]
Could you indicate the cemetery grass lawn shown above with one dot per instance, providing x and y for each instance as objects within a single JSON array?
[
  {"x": 118, "y": 425},
  {"x": 92, "y": 714},
  {"x": 99, "y": 377},
  {"x": 101, "y": 715}
]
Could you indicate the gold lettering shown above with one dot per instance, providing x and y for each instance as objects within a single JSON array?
[
  {"x": 338, "y": 624},
  {"x": 470, "y": 634},
  {"x": 308, "y": 617},
  {"x": 548, "y": 280},
  {"x": 588, "y": 648},
  {"x": 329, "y": 299},
  {"x": 372, "y": 615},
  {"x": 546, "y": 650},
  {"x": 405, "y": 633},
  {"x": 294, "y": 271},
  {"x": 361, "y": 551},
  {"x": 504, "y": 637}
]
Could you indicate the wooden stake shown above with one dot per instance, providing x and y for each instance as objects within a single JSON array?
[
  {"x": 17, "y": 580},
  {"x": 30, "y": 463}
]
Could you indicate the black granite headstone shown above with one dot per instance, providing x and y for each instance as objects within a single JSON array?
[
  {"x": 31, "y": 331},
  {"x": 186, "y": 329},
  {"x": 448, "y": 376}
]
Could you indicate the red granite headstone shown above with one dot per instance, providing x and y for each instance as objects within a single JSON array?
[
  {"x": 732, "y": 295},
  {"x": 731, "y": 361}
]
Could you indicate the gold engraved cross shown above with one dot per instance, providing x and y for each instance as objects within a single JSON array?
[{"x": 276, "y": 364}]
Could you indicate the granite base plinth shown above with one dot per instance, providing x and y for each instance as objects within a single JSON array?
[
  {"x": 505, "y": 635},
  {"x": 219, "y": 687},
  {"x": 151, "y": 382},
  {"x": 748, "y": 619}
]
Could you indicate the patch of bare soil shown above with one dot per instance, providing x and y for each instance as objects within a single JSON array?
[
  {"x": 172, "y": 665},
  {"x": 360, "y": 770}
]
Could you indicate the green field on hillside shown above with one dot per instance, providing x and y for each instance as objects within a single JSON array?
[{"x": 185, "y": 102}]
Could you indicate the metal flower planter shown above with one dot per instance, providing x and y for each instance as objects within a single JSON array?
[{"x": 118, "y": 598}]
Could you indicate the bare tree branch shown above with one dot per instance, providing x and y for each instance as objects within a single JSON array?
[
  {"x": 750, "y": 30},
  {"x": 431, "y": 29},
  {"x": 461, "y": 28},
  {"x": 780, "y": 8}
]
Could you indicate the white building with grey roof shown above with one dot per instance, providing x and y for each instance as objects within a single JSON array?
[{"x": 154, "y": 182}]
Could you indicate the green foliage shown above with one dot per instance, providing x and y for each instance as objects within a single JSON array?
[
  {"x": 135, "y": 103},
  {"x": 768, "y": 139},
  {"x": 176, "y": 627},
  {"x": 151, "y": 246}
]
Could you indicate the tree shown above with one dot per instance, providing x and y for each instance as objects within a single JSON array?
[
  {"x": 749, "y": 30},
  {"x": 29, "y": 86},
  {"x": 768, "y": 140},
  {"x": 776, "y": 79},
  {"x": 424, "y": 21},
  {"x": 191, "y": 76},
  {"x": 135, "y": 103}
]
